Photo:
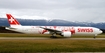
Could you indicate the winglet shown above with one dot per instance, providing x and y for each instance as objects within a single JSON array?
[{"x": 12, "y": 21}]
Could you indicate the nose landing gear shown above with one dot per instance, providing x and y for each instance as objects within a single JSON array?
[{"x": 95, "y": 36}]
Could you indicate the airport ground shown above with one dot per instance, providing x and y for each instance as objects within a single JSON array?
[{"x": 60, "y": 44}]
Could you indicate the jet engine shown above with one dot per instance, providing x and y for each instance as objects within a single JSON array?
[{"x": 66, "y": 34}]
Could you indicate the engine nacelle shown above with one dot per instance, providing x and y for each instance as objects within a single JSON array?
[{"x": 66, "y": 34}]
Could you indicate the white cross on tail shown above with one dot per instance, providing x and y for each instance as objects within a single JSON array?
[{"x": 11, "y": 20}]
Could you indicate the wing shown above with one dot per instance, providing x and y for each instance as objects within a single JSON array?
[{"x": 52, "y": 30}]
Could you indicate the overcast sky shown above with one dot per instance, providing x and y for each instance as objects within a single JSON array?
[{"x": 71, "y": 10}]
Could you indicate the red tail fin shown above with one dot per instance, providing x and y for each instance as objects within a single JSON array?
[{"x": 12, "y": 20}]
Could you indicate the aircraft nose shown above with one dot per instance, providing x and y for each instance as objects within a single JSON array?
[{"x": 100, "y": 31}]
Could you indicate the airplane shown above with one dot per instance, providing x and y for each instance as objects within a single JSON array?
[{"x": 65, "y": 31}]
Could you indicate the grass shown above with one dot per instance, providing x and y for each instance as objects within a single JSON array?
[
  {"x": 21, "y": 35},
  {"x": 41, "y": 35},
  {"x": 52, "y": 45}
]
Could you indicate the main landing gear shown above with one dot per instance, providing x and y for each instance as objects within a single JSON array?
[{"x": 53, "y": 35}]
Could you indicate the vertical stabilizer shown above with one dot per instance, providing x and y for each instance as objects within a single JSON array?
[{"x": 12, "y": 21}]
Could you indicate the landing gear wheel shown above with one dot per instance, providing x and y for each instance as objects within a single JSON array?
[
  {"x": 94, "y": 37},
  {"x": 53, "y": 37}
]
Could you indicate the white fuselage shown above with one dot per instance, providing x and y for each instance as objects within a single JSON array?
[{"x": 73, "y": 30}]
